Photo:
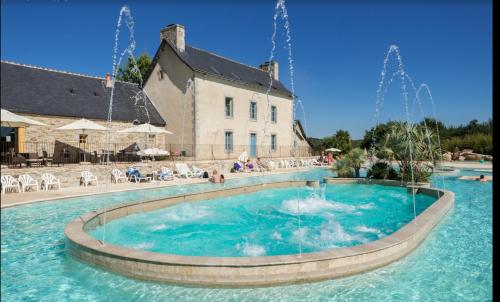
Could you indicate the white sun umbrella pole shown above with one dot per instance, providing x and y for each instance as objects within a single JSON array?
[{"x": 83, "y": 125}]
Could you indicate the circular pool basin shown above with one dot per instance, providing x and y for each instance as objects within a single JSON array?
[{"x": 259, "y": 235}]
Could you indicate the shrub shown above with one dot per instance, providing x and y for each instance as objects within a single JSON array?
[
  {"x": 343, "y": 168},
  {"x": 480, "y": 143},
  {"x": 382, "y": 170}
]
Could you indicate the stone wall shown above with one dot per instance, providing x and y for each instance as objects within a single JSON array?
[{"x": 39, "y": 138}]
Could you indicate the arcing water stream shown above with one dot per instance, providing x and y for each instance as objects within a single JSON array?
[{"x": 139, "y": 97}]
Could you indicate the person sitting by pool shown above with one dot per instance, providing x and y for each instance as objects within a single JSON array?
[
  {"x": 261, "y": 165},
  {"x": 320, "y": 159},
  {"x": 133, "y": 171},
  {"x": 249, "y": 166},
  {"x": 237, "y": 167}
]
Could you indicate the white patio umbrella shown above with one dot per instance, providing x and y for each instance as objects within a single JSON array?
[
  {"x": 243, "y": 157},
  {"x": 145, "y": 128},
  {"x": 153, "y": 152},
  {"x": 332, "y": 150},
  {"x": 10, "y": 119},
  {"x": 83, "y": 125}
]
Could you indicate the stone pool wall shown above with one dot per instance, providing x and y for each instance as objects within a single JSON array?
[{"x": 247, "y": 271}]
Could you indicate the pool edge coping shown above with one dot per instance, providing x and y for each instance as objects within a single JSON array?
[{"x": 402, "y": 241}]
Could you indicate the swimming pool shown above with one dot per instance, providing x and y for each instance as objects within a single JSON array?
[
  {"x": 453, "y": 264},
  {"x": 265, "y": 223}
]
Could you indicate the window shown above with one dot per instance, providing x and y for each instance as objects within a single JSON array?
[
  {"x": 160, "y": 75},
  {"x": 83, "y": 138},
  {"x": 229, "y": 107},
  {"x": 274, "y": 114},
  {"x": 253, "y": 111},
  {"x": 273, "y": 142},
  {"x": 229, "y": 141}
]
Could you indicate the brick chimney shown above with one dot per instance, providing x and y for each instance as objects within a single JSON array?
[
  {"x": 174, "y": 33},
  {"x": 271, "y": 66},
  {"x": 109, "y": 83}
]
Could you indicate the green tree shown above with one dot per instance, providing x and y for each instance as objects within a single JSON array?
[
  {"x": 341, "y": 140},
  {"x": 133, "y": 73}
]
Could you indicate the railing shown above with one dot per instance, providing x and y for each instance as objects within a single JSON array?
[{"x": 57, "y": 152}]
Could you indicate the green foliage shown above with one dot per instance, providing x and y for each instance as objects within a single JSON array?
[
  {"x": 341, "y": 140},
  {"x": 385, "y": 153},
  {"x": 343, "y": 168},
  {"x": 383, "y": 170},
  {"x": 482, "y": 143},
  {"x": 473, "y": 135},
  {"x": 349, "y": 163},
  {"x": 413, "y": 148},
  {"x": 129, "y": 73},
  {"x": 376, "y": 135}
]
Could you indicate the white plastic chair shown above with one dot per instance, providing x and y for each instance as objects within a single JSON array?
[
  {"x": 87, "y": 177},
  {"x": 27, "y": 182},
  {"x": 9, "y": 182},
  {"x": 272, "y": 165},
  {"x": 49, "y": 180},
  {"x": 117, "y": 175}
]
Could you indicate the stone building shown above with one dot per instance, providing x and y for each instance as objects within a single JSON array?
[
  {"x": 218, "y": 107},
  {"x": 215, "y": 107},
  {"x": 57, "y": 98},
  {"x": 301, "y": 140}
]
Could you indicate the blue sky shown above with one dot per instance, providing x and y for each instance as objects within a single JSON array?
[{"x": 338, "y": 48}]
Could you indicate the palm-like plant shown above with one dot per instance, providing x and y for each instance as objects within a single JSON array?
[
  {"x": 351, "y": 161},
  {"x": 343, "y": 168},
  {"x": 413, "y": 148},
  {"x": 356, "y": 158}
]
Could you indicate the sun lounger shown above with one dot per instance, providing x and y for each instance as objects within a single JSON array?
[
  {"x": 49, "y": 180},
  {"x": 183, "y": 170},
  {"x": 197, "y": 171},
  {"x": 27, "y": 182},
  {"x": 8, "y": 183},
  {"x": 135, "y": 175}
]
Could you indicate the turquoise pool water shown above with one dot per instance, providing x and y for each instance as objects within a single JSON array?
[
  {"x": 266, "y": 222},
  {"x": 453, "y": 264}
]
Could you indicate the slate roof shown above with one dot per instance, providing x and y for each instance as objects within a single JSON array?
[
  {"x": 207, "y": 62},
  {"x": 35, "y": 90}
]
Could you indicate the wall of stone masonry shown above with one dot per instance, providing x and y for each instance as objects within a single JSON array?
[{"x": 43, "y": 137}]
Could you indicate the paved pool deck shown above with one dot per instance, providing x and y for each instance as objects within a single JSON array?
[
  {"x": 15, "y": 199},
  {"x": 467, "y": 165}
]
